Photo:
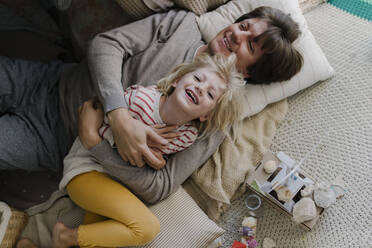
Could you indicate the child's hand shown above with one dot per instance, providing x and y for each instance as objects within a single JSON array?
[
  {"x": 166, "y": 132},
  {"x": 159, "y": 156},
  {"x": 89, "y": 121}
]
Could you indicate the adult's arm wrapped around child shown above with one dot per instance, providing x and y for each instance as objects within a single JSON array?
[{"x": 154, "y": 185}]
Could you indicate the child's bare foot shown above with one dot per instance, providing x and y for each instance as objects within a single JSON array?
[
  {"x": 25, "y": 243},
  {"x": 63, "y": 237}
]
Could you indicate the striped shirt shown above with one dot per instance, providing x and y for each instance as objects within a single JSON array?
[{"x": 143, "y": 104}]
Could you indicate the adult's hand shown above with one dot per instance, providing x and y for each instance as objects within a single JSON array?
[
  {"x": 131, "y": 137},
  {"x": 89, "y": 121}
]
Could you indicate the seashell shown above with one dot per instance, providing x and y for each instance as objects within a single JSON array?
[
  {"x": 324, "y": 196},
  {"x": 249, "y": 222},
  {"x": 284, "y": 194},
  {"x": 304, "y": 210},
  {"x": 268, "y": 243},
  {"x": 270, "y": 166},
  {"x": 308, "y": 190}
]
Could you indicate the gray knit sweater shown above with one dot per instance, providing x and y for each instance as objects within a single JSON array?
[{"x": 138, "y": 53}]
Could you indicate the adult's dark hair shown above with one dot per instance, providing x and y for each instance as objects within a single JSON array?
[{"x": 280, "y": 60}]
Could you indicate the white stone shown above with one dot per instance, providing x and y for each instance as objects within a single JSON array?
[
  {"x": 324, "y": 196},
  {"x": 304, "y": 210},
  {"x": 268, "y": 243},
  {"x": 270, "y": 166},
  {"x": 308, "y": 190},
  {"x": 284, "y": 194},
  {"x": 249, "y": 222}
]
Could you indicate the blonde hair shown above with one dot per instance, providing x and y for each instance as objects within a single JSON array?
[{"x": 228, "y": 110}]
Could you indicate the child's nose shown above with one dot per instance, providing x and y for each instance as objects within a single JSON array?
[{"x": 200, "y": 89}]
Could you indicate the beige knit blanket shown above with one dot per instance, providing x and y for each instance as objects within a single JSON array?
[{"x": 222, "y": 178}]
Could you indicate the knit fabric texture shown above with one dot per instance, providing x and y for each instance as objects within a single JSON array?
[
  {"x": 199, "y": 6},
  {"x": 337, "y": 115},
  {"x": 135, "y": 8}
]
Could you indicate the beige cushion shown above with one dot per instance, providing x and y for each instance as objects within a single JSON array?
[
  {"x": 138, "y": 9},
  {"x": 199, "y": 6},
  {"x": 135, "y": 8},
  {"x": 183, "y": 223},
  {"x": 316, "y": 66}
]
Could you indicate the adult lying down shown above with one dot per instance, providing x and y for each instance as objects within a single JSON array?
[
  {"x": 124, "y": 56},
  {"x": 141, "y": 52}
]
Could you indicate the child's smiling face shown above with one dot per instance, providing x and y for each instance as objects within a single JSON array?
[{"x": 196, "y": 94}]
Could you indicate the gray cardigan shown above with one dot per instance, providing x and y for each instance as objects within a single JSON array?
[{"x": 137, "y": 53}]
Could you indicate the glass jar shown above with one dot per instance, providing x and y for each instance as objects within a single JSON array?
[{"x": 254, "y": 205}]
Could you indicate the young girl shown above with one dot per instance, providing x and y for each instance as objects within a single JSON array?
[
  {"x": 200, "y": 97},
  {"x": 178, "y": 100}
]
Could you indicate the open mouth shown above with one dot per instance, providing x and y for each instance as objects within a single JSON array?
[
  {"x": 227, "y": 43},
  {"x": 191, "y": 95}
]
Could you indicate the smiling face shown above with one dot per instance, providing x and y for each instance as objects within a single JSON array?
[
  {"x": 196, "y": 94},
  {"x": 238, "y": 38}
]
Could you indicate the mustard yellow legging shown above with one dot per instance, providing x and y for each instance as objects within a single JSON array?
[{"x": 115, "y": 217}]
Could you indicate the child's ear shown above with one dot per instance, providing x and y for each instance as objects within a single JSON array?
[
  {"x": 174, "y": 84},
  {"x": 204, "y": 118}
]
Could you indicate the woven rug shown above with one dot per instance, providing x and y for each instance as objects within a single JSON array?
[{"x": 338, "y": 114}]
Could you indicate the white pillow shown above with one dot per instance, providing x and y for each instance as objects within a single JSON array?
[
  {"x": 315, "y": 68},
  {"x": 182, "y": 223}
]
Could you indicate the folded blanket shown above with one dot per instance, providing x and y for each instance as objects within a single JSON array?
[{"x": 222, "y": 178}]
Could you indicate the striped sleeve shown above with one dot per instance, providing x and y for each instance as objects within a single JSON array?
[
  {"x": 140, "y": 103},
  {"x": 106, "y": 133},
  {"x": 189, "y": 133}
]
